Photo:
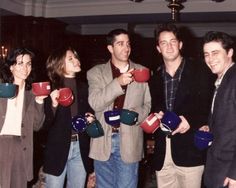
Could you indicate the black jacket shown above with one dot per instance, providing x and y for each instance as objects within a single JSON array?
[
  {"x": 221, "y": 156},
  {"x": 193, "y": 100},
  {"x": 59, "y": 135}
]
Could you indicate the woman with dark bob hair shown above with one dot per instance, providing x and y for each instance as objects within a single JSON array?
[{"x": 19, "y": 117}]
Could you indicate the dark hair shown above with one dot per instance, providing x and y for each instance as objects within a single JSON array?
[
  {"x": 225, "y": 39},
  {"x": 112, "y": 35},
  {"x": 169, "y": 28},
  {"x": 11, "y": 60},
  {"x": 55, "y": 65}
]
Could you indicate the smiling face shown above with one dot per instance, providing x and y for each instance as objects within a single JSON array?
[
  {"x": 22, "y": 68},
  {"x": 72, "y": 64},
  {"x": 169, "y": 46},
  {"x": 120, "y": 49},
  {"x": 216, "y": 57}
]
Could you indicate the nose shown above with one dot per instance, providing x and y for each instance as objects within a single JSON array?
[
  {"x": 127, "y": 47},
  {"x": 76, "y": 61},
  {"x": 169, "y": 45}
]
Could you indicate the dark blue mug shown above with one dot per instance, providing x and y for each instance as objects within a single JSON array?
[
  {"x": 79, "y": 123},
  {"x": 169, "y": 122},
  {"x": 203, "y": 139},
  {"x": 112, "y": 117}
]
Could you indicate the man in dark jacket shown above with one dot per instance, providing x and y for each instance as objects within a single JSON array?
[
  {"x": 221, "y": 157},
  {"x": 184, "y": 87}
]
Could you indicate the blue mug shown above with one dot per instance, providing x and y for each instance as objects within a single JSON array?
[
  {"x": 169, "y": 122},
  {"x": 203, "y": 139},
  {"x": 79, "y": 123},
  {"x": 112, "y": 117}
]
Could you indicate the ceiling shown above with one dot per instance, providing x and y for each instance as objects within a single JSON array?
[{"x": 100, "y": 16}]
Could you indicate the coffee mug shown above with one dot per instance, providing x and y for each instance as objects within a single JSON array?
[
  {"x": 169, "y": 122},
  {"x": 202, "y": 139},
  {"x": 79, "y": 123},
  {"x": 41, "y": 88},
  {"x": 8, "y": 90},
  {"x": 141, "y": 75},
  {"x": 65, "y": 97},
  {"x": 128, "y": 117},
  {"x": 150, "y": 124},
  {"x": 95, "y": 129},
  {"x": 112, "y": 117}
]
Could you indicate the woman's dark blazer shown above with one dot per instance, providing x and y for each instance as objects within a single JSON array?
[
  {"x": 193, "y": 100},
  {"x": 59, "y": 135}
]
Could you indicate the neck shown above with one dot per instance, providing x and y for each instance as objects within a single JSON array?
[
  {"x": 69, "y": 76},
  {"x": 172, "y": 66},
  {"x": 120, "y": 64},
  {"x": 20, "y": 83},
  {"x": 225, "y": 70}
]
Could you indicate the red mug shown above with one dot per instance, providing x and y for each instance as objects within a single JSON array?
[
  {"x": 65, "y": 97},
  {"x": 41, "y": 88},
  {"x": 150, "y": 124},
  {"x": 141, "y": 75}
]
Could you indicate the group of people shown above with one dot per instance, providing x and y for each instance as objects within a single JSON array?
[{"x": 179, "y": 84}]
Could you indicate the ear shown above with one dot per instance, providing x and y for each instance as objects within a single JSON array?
[
  {"x": 11, "y": 68},
  {"x": 180, "y": 45},
  {"x": 230, "y": 52},
  {"x": 158, "y": 49},
  {"x": 110, "y": 48}
]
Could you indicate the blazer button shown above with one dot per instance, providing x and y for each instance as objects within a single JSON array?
[
  {"x": 23, "y": 136},
  {"x": 22, "y": 125},
  {"x": 24, "y": 148}
]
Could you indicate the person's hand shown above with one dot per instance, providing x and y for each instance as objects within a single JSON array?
[
  {"x": 126, "y": 78},
  {"x": 91, "y": 180},
  {"x": 183, "y": 126},
  {"x": 231, "y": 183},
  {"x": 204, "y": 128},
  {"x": 159, "y": 115},
  {"x": 89, "y": 117},
  {"x": 39, "y": 99},
  {"x": 54, "y": 96}
]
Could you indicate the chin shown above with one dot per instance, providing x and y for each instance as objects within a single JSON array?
[{"x": 78, "y": 70}]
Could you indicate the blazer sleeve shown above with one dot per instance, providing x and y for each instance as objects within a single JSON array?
[{"x": 101, "y": 94}]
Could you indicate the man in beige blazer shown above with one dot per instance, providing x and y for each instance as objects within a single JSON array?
[{"x": 111, "y": 86}]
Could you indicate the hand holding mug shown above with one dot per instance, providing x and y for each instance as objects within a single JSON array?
[
  {"x": 40, "y": 99},
  {"x": 183, "y": 126},
  {"x": 89, "y": 117},
  {"x": 170, "y": 122},
  {"x": 204, "y": 128},
  {"x": 54, "y": 96},
  {"x": 126, "y": 78}
]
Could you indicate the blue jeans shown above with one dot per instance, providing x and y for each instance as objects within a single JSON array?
[
  {"x": 114, "y": 173},
  {"x": 74, "y": 170}
]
